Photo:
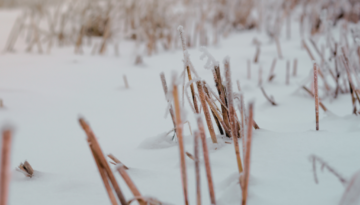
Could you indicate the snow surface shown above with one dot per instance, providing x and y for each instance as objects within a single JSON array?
[{"x": 45, "y": 94}]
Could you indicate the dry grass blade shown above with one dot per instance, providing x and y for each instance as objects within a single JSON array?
[
  {"x": 232, "y": 114},
  {"x": 267, "y": 97},
  {"x": 26, "y": 169},
  {"x": 5, "y": 166},
  {"x": 101, "y": 161},
  {"x": 189, "y": 155},
  {"x": 206, "y": 161},
  {"x": 247, "y": 157},
  {"x": 179, "y": 132},
  {"x": 116, "y": 161},
  {"x": 197, "y": 167},
  {"x": 130, "y": 183},
  {"x": 206, "y": 111}
]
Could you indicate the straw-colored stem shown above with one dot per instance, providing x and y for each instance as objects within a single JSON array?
[
  {"x": 247, "y": 157},
  {"x": 316, "y": 95},
  {"x": 206, "y": 161},
  {"x": 222, "y": 95},
  {"x": 213, "y": 110},
  {"x": 192, "y": 90},
  {"x": 257, "y": 54},
  {"x": 130, "y": 183},
  {"x": 5, "y": 166},
  {"x": 248, "y": 69},
  {"x": 312, "y": 94},
  {"x": 94, "y": 145},
  {"x": 126, "y": 82},
  {"x": 197, "y": 167},
  {"x": 206, "y": 111},
  {"x": 179, "y": 132},
  {"x": 267, "y": 97},
  {"x": 308, "y": 50},
  {"x": 217, "y": 115},
  {"x": 116, "y": 160},
  {"x": 171, "y": 110},
  {"x": 295, "y": 67},
  {"x": 260, "y": 76},
  {"x": 272, "y": 75},
  {"x": 230, "y": 98},
  {"x": 287, "y": 72},
  {"x": 105, "y": 36},
  {"x": 104, "y": 178},
  {"x": 278, "y": 47}
]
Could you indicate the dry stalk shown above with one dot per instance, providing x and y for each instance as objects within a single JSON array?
[
  {"x": 260, "y": 76},
  {"x": 116, "y": 161},
  {"x": 278, "y": 47},
  {"x": 217, "y": 115},
  {"x": 351, "y": 85},
  {"x": 323, "y": 164},
  {"x": 287, "y": 72},
  {"x": 126, "y": 82},
  {"x": 257, "y": 54},
  {"x": 295, "y": 67},
  {"x": 242, "y": 114},
  {"x": 192, "y": 90},
  {"x": 179, "y": 132},
  {"x": 103, "y": 166},
  {"x": 214, "y": 112},
  {"x": 248, "y": 69},
  {"x": 272, "y": 75},
  {"x": 130, "y": 183},
  {"x": 222, "y": 94},
  {"x": 316, "y": 95},
  {"x": 267, "y": 97},
  {"x": 232, "y": 113},
  {"x": 206, "y": 160},
  {"x": 312, "y": 94},
  {"x": 105, "y": 37},
  {"x": 238, "y": 85},
  {"x": 171, "y": 110},
  {"x": 247, "y": 157},
  {"x": 5, "y": 166},
  {"x": 197, "y": 167},
  {"x": 308, "y": 50},
  {"x": 206, "y": 111}
]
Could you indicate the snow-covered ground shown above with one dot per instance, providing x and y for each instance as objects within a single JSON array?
[{"x": 45, "y": 94}]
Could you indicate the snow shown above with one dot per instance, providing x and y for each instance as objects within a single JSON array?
[{"x": 45, "y": 94}]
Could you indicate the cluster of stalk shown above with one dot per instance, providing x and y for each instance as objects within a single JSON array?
[
  {"x": 226, "y": 120},
  {"x": 152, "y": 24},
  {"x": 112, "y": 187}
]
